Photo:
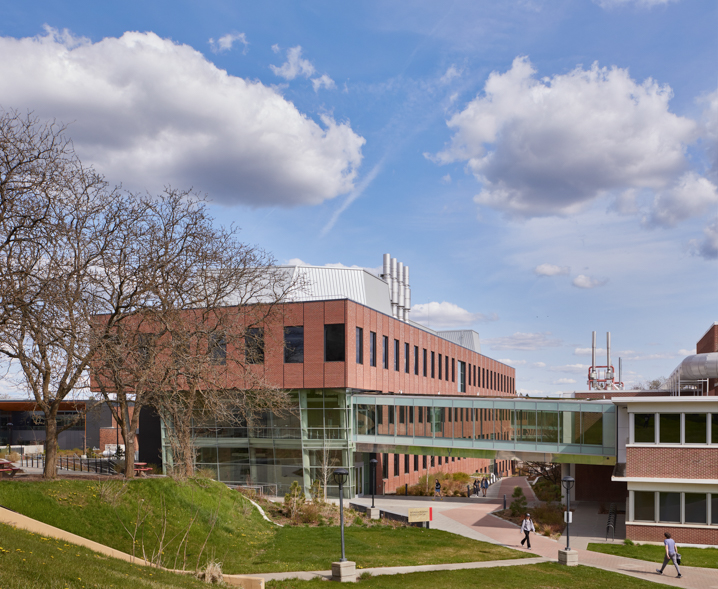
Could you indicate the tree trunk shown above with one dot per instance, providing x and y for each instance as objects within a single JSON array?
[
  {"x": 50, "y": 471},
  {"x": 128, "y": 435}
]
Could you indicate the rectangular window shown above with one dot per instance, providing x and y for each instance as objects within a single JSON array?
[
  {"x": 401, "y": 414},
  {"x": 462, "y": 376},
  {"x": 714, "y": 508},
  {"x": 440, "y": 366},
  {"x": 218, "y": 348},
  {"x": 483, "y": 378},
  {"x": 696, "y": 508},
  {"x": 334, "y": 343},
  {"x": 396, "y": 355},
  {"x": 396, "y": 465},
  {"x": 439, "y": 460},
  {"x": 416, "y": 463},
  {"x": 385, "y": 466},
  {"x": 391, "y": 414},
  {"x": 372, "y": 348},
  {"x": 253, "y": 345},
  {"x": 406, "y": 358},
  {"x": 714, "y": 430},
  {"x": 416, "y": 360},
  {"x": 380, "y": 415},
  {"x": 669, "y": 507},
  {"x": 644, "y": 428},
  {"x": 432, "y": 462},
  {"x": 670, "y": 428},
  {"x": 433, "y": 361},
  {"x": 453, "y": 370},
  {"x": 360, "y": 345},
  {"x": 385, "y": 351},
  {"x": 425, "y": 362},
  {"x": 406, "y": 464},
  {"x": 421, "y": 415},
  {"x": 644, "y": 506},
  {"x": 411, "y": 415},
  {"x": 446, "y": 364},
  {"x": 696, "y": 428},
  {"x": 468, "y": 378},
  {"x": 423, "y": 464},
  {"x": 294, "y": 344}
]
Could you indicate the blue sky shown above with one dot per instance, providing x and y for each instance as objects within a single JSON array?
[{"x": 545, "y": 168}]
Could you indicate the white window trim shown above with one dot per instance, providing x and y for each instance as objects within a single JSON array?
[{"x": 656, "y": 512}]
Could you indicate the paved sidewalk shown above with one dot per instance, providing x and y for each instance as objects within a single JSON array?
[
  {"x": 308, "y": 575},
  {"x": 472, "y": 518}
]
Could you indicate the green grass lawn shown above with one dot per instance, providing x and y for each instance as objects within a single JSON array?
[
  {"x": 692, "y": 557},
  {"x": 307, "y": 549},
  {"x": 29, "y": 561},
  {"x": 241, "y": 540},
  {"x": 543, "y": 576}
]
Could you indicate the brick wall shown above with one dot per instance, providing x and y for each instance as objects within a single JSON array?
[
  {"x": 661, "y": 462},
  {"x": 593, "y": 483},
  {"x": 467, "y": 465},
  {"x": 682, "y": 535}
]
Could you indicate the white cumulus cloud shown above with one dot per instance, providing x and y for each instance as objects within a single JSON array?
[
  {"x": 708, "y": 245},
  {"x": 551, "y": 146},
  {"x": 225, "y": 42},
  {"x": 512, "y": 362},
  {"x": 294, "y": 66},
  {"x": 523, "y": 341},
  {"x": 691, "y": 196},
  {"x": 446, "y": 315},
  {"x": 583, "y": 281},
  {"x": 149, "y": 112},
  {"x": 323, "y": 81},
  {"x": 565, "y": 381},
  {"x": 551, "y": 270}
]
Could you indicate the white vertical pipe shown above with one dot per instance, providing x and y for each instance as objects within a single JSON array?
[
  {"x": 400, "y": 290},
  {"x": 394, "y": 287},
  {"x": 407, "y": 294}
]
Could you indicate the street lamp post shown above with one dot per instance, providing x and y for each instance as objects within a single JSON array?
[
  {"x": 373, "y": 463},
  {"x": 340, "y": 477},
  {"x": 568, "y": 483},
  {"x": 9, "y": 435}
]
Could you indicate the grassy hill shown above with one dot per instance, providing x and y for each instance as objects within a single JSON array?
[
  {"x": 29, "y": 561},
  {"x": 107, "y": 512}
]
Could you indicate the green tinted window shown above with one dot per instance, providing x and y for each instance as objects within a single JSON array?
[
  {"x": 644, "y": 506},
  {"x": 670, "y": 430},
  {"x": 644, "y": 428},
  {"x": 696, "y": 428}
]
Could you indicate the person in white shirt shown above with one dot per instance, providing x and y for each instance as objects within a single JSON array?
[
  {"x": 527, "y": 526},
  {"x": 671, "y": 554}
]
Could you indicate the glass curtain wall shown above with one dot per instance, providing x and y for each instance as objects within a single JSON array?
[{"x": 304, "y": 444}]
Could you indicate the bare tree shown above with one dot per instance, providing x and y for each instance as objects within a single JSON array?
[
  {"x": 196, "y": 350},
  {"x": 327, "y": 465},
  {"x": 64, "y": 230},
  {"x": 545, "y": 470}
]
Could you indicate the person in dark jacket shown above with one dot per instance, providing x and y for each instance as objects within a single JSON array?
[
  {"x": 437, "y": 491},
  {"x": 527, "y": 526}
]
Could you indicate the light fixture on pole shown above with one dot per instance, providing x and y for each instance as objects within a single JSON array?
[
  {"x": 340, "y": 478},
  {"x": 568, "y": 483},
  {"x": 373, "y": 463}
]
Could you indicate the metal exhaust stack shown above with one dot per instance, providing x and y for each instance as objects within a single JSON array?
[
  {"x": 407, "y": 294},
  {"x": 394, "y": 288},
  {"x": 400, "y": 289},
  {"x": 609, "y": 370},
  {"x": 593, "y": 352}
]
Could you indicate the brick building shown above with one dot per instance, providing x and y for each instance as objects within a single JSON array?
[{"x": 348, "y": 332}]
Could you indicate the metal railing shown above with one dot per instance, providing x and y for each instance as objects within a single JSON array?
[
  {"x": 73, "y": 463},
  {"x": 611, "y": 525}
]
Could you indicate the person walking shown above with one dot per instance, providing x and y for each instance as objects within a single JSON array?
[
  {"x": 477, "y": 487},
  {"x": 527, "y": 526},
  {"x": 671, "y": 555},
  {"x": 484, "y": 486},
  {"x": 437, "y": 491}
]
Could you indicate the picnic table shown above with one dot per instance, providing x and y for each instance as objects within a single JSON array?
[
  {"x": 141, "y": 468},
  {"x": 8, "y": 467}
]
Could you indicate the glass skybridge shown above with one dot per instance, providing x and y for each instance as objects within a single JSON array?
[{"x": 547, "y": 431}]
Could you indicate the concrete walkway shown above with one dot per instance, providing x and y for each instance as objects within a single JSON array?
[
  {"x": 308, "y": 575},
  {"x": 472, "y": 518}
]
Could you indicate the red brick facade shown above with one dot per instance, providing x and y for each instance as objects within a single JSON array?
[
  {"x": 468, "y": 465},
  {"x": 492, "y": 378},
  {"x": 665, "y": 462},
  {"x": 707, "y": 344},
  {"x": 681, "y": 534}
]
